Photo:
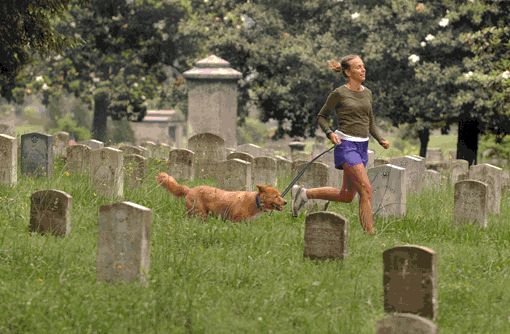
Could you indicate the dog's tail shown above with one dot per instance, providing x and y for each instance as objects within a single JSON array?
[{"x": 171, "y": 185}]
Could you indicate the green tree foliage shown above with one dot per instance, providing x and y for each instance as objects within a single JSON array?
[
  {"x": 121, "y": 62},
  {"x": 26, "y": 28}
]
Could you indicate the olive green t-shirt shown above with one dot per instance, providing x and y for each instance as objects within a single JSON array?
[{"x": 354, "y": 111}]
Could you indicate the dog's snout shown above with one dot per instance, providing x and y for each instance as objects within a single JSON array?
[{"x": 284, "y": 202}]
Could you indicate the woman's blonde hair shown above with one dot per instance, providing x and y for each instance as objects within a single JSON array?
[{"x": 344, "y": 65}]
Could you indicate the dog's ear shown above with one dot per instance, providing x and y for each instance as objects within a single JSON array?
[{"x": 262, "y": 188}]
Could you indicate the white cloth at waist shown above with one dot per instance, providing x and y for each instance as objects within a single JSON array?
[{"x": 342, "y": 135}]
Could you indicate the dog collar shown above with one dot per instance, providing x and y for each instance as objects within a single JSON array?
[{"x": 257, "y": 200}]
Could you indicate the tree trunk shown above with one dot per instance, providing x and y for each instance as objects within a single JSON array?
[
  {"x": 467, "y": 142},
  {"x": 99, "y": 129},
  {"x": 424, "y": 136}
]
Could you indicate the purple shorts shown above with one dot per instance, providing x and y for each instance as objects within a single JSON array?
[{"x": 352, "y": 152}]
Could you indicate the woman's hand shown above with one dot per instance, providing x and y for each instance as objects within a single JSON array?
[
  {"x": 385, "y": 144},
  {"x": 334, "y": 138}
]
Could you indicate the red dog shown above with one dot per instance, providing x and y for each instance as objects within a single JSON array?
[{"x": 231, "y": 205}]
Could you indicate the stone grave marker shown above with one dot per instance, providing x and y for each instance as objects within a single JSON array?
[
  {"x": 380, "y": 162},
  {"x": 405, "y": 323},
  {"x": 283, "y": 167},
  {"x": 181, "y": 164},
  {"x": 92, "y": 143},
  {"x": 135, "y": 175},
  {"x": 78, "y": 159},
  {"x": 455, "y": 168},
  {"x": 123, "y": 249},
  {"x": 388, "y": 190},
  {"x": 236, "y": 175},
  {"x": 326, "y": 236},
  {"x": 505, "y": 187},
  {"x": 8, "y": 160},
  {"x": 300, "y": 155},
  {"x": 316, "y": 176},
  {"x": 492, "y": 176},
  {"x": 452, "y": 154},
  {"x": 415, "y": 168},
  {"x": 209, "y": 149},
  {"x": 470, "y": 203},
  {"x": 50, "y": 212},
  {"x": 410, "y": 281},
  {"x": 60, "y": 144},
  {"x": 432, "y": 179},
  {"x": 371, "y": 159},
  {"x": 241, "y": 156},
  {"x": 151, "y": 148},
  {"x": 267, "y": 153},
  {"x": 434, "y": 155},
  {"x": 264, "y": 171},
  {"x": 37, "y": 155},
  {"x": 162, "y": 151},
  {"x": 253, "y": 150},
  {"x": 130, "y": 149},
  {"x": 106, "y": 173}
]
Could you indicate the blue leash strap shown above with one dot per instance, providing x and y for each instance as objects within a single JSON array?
[{"x": 302, "y": 172}]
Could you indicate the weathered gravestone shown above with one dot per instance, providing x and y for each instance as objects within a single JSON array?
[
  {"x": 264, "y": 171},
  {"x": 106, "y": 173},
  {"x": 92, "y": 143},
  {"x": 60, "y": 144},
  {"x": 434, "y": 155},
  {"x": 241, "y": 156},
  {"x": 297, "y": 155},
  {"x": 410, "y": 281},
  {"x": 470, "y": 203},
  {"x": 388, "y": 190},
  {"x": 405, "y": 323},
  {"x": 253, "y": 150},
  {"x": 326, "y": 236},
  {"x": 452, "y": 154},
  {"x": 371, "y": 159},
  {"x": 380, "y": 162},
  {"x": 37, "y": 155},
  {"x": 315, "y": 176},
  {"x": 162, "y": 151},
  {"x": 455, "y": 168},
  {"x": 491, "y": 175},
  {"x": 505, "y": 186},
  {"x": 123, "y": 249},
  {"x": 432, "y": 179},
  {"x": 267, "y": 153},
  {"x": 181, "y": 164},
  {"x": 235, "y": 175},
  {"x": 8, "y": 160},
  {"x": 151, "y": 148},
  {"x": 50, "y": 212},
  {"x": 129, "y": 149},
  {"x": 283, "y": 167},
  {"x": 135, "y": 167},
  {"x": 414, "y": 169},
  {"x": 209, "y": 149},
  {"x": 78, "y": 159}
]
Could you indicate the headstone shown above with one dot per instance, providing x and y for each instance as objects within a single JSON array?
[
  {"x": 264, "y": 171},
  {"x": 60, "y": 144},
  {"x": 317, "y": 149},
  {"x": 380, "y": 162},
  {"x": 470, "y": 203},
  {"x": 434, "y": 155},
  {"x": 415, "y": 168},
  {"x": 8, "y": 160},
  {"x": 267, "y": 153},
  {"x": 283, "y": 167},
  {"x": 326, "y": 236},
  {"x": 50, "y": 212},
  {"x": 242, "y": 156},
  {"x": 37, "y": 155},
  {"x": 371, "y": 159},
  {"x": 297, "y": 155},
  {"x": 452, "y": 154},
  {"x": 405, "y": 323},
  {"x": 492, "y": 176},
  {"x": 135, "y": 175},
  {"x": 180, "y": 164},
  {"x": 410, "y": 281},
  {"x": 78, "y": 159},
  {"x": 432, "y": 179},
  {"x": 335, "y": 175},
  {"x": 123, "y": 249},
  {"x": 162, "y": 151},
  {"x": 253, "y": 150},
  {"x": 455, "y": 168},
  {"x": 151, "y": 148},
  {"x": 129, "y": 149},
  {"x": 236, "y": 175},
  {"x": 388, "y": 190},
  {"x": 230, "y": 150},
  {"x": 92, "y": 143},
  {"x": 106, "y": 173},
  {"x": 209, "y": 149},
  {"x": 315, "y": 176},
  {"x": 505, "y": 187}
]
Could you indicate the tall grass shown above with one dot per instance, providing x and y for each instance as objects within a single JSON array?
[{"x": 220, "y": 277}]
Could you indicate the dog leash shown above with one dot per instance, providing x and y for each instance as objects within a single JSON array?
[{"x": 301, "y": 173}]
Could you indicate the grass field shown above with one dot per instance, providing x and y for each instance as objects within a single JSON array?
[{"x": 217, "y": 277}]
